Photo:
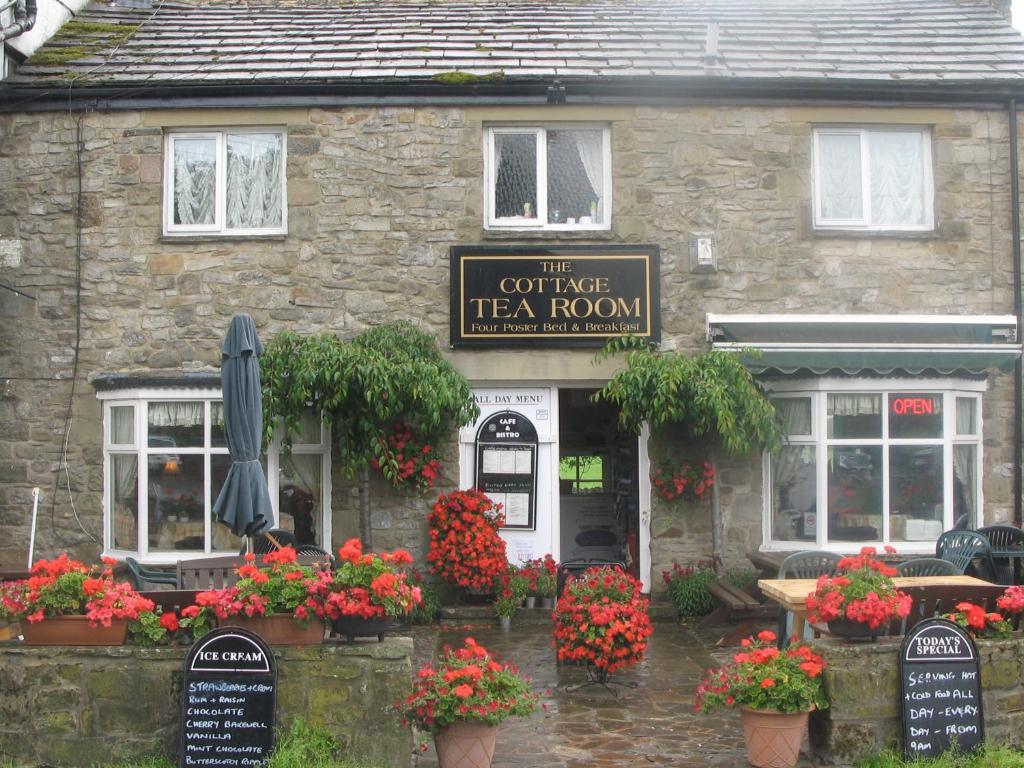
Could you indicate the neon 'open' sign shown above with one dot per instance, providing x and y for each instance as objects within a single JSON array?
[{"x": 913, "y": 406}]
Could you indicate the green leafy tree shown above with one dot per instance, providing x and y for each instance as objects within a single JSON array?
[
  {"x": 710, "y": 396},
  {"x": 390, "y": 373}
]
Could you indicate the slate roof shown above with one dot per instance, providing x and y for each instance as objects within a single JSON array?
[{"x": 932, "y": 42}]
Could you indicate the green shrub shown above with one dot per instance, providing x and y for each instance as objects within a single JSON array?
[
  {"x": 688, "y": 588},
  {"x": 989, "y": 757},
  {"x": 428, "y": 611}
]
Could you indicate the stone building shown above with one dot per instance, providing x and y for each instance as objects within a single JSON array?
[{"x": 831, "y": 183}]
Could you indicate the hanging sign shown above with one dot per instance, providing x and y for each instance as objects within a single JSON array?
[
  {"x": 566, "y": 296},
  {"x": 230, "y": 697},
  {"x": 506, "y": 466},
  {"x": 941, "y": 690}
]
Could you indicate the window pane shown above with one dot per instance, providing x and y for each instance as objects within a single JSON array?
[
  {"x": 300, "y": 500},
  {"x": 794, "y": 505},
  {"x": 839, "y": 176},
  {"x": 217, "y": 437},
  {"x": 915, "y": 492},
  {"x": 176, "y": 425},
  {"x": 122, "y": 425},
  {"x": 223, "y": 539},
  {"x": 515, "y": 178},
  {"x": 851, "y": 416},
  {"x": 254, "y": 188},
  {"x": 124, "y": 500},
  {"x": 966, "y": 416},
  {"x": 575, "y": 176},
  {"x": 855, "y": 493},
  {"x": 176, "y": 503},
  {"x": 897, "y": 178},
  {"x": 795, "y": 413},
  {"x": 915, "y": 415},
  {"x": 965, "y": 485},
  {"x": 195, "y": 175}
]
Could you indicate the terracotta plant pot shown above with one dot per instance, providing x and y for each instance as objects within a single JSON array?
[
  {"x": 466, "y": 745},
  {"x": 773, "y": 738},
  {"x": 281, "y": 629},
  {"x": 73, "y": 630}
]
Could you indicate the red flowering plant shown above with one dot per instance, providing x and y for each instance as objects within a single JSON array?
[
  {"x": 1012, "y": 600},
  {"x": 510, "y": 587},
  {"x": 540, "y": 575},
  {"x": 160, "y": 627},
  {"x": 684, "y": 481},
  {"x": 283, "y": 587},
  {"x": 978, "y": 622},
  {"x": 405, "y": 458},
  {"x": 601, "y": 620},
  {"x": 66, "y": 587},
  {"x": 465, "y": 548},
  {"x": 862, "y": 591},
  {"x": 466, "y": 685},
  {"x": 370, "y": 585},
  {"x": 763, "y": 677}
]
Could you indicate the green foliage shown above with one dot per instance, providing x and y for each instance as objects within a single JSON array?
[
  {"x": 687, "y": 588},
  {"x": 710, "y": 394},
  {"x": 428, "y": 611},
  {"x": 987, "y": 757},
  {"x": 391, "y": 373}
]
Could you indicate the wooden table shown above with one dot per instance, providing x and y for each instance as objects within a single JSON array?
[{"x": 792, "y": 594}]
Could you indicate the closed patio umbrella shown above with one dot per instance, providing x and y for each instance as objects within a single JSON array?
[{"x": 244, "y": 502}]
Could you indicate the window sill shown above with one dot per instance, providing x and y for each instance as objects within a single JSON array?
[
  {"x": 875, "y": 234},
  {"x": 548, "y": 234},
  {"x": 212, "y": 238}
]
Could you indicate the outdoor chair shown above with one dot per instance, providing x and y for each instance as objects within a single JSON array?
[
  {"x": 927, "y": 566},
  {"x": 266, "y": 542},
  {"x": 809, "y": 564},
  {"x": 142, "y": 576},
  {"x": 1007, "y": 542},
  {"x": 570, "y": 569},
  {"x": 962, "y": 548}
]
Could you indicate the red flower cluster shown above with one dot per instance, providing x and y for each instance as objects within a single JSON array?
[
  {"x": 540, "y": 576},
  {"x": 978, "y": 622},
  {"x": 370, "y": 585},
  {"x": 465, "y": 548},
  {"x": 686, "y": 481},
  {"x": 404, "y": 458},
  {"x": 1012, "y": 600},
  {"x": 467, "y": 684},
  {"x": 601, "y": 619},
  {"x": 65, "y": 587},
  {"x": 863, "y": 591},
  {"x": 763, "y": 677}
]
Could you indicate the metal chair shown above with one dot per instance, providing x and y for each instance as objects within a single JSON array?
[
  {"x": 804, "y": 565},
  {"x": 141, "y": 576},
  {"x": 962, "y": 548},
  {"x": 266, "y": 542},
  {"x": 1007, "y": 542},
  {"x": 927, "y": 566}
]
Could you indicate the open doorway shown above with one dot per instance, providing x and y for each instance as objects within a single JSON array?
[{"x": 598, "y": 473}]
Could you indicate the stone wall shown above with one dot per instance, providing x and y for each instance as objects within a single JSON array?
[
  {"x": 66, "y": 706},
  {"x": 376, "y": 197},
  {"x": 862, "y": 682}
]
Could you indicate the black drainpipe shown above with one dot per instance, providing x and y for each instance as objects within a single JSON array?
[
  {"x": 24, "y": 20},
  {"x": 1018, "y": 378}
]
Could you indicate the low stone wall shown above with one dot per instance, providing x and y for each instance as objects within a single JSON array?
[
  {"x": 62, "y": 706},
  {"x": 863, "y": 686}
]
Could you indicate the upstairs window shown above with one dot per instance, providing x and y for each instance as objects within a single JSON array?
[
  {"x": 555, "y": 177},
  {"x": 877, "y": 179},
  {"x": 225, "y": 183}
]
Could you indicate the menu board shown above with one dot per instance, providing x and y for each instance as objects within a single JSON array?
[
  {"x": 229, "y": 701},
  {"x": 506, "y": 466},
  {"x": 941, "y": 690}
]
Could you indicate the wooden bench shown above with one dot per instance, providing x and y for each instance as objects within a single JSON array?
[
  {"x": 219, "y": 572},
  {"x": 736, "y": 603}
]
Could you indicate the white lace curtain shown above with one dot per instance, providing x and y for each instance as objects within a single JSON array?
[
  {"x": 195, "y": 174},
  {"x": 854, "y": 405},
  {"x": 590, "y": 145},
  {"x": 185, "y": 414}
]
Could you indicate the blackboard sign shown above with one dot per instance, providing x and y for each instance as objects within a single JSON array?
[
  {"x": 941, "y": 690},
  {"x": 506, "y": 466},
  {"x": 565, "y": 296},
  {"x": 230, "y": 697}
]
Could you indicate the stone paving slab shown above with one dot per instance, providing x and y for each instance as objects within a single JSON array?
[{"x": 651, "y": 725}]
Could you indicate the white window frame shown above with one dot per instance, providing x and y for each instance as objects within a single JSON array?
[
  {"x": 865, "y": 222},
  {"x": 140, "y": 400},
  {"x": 818, "y": 390},
  {"x": 540, "y": 221},
  {"x": 219, "y": 227}
]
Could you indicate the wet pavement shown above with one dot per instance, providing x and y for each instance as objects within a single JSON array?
[{"x": 652, "y": 724}]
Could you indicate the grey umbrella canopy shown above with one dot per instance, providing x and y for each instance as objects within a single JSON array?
[{"x": 244, "y": 502}]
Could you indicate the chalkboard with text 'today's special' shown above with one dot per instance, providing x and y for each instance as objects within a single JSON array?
[
  {"x": 229, "y": 700},
  {"x": 940, "y": 689}
]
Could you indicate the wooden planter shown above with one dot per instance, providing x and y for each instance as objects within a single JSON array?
[{"x": 73, "y": 630}]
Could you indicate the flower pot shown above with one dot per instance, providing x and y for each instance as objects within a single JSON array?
[
  {"x": 848, "y": 629},
  {"x": 465, "y": 745},
  {"x": 356, "y": 626},
  {"x": 505, "y": 622},
  {"x": 773, "y": 738},
  {"x": 531, "y": 601},
  {"x": 547, "y": 603},
  {"x": 281, "y": 629},
  {"x": 73, "y": 630}
]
